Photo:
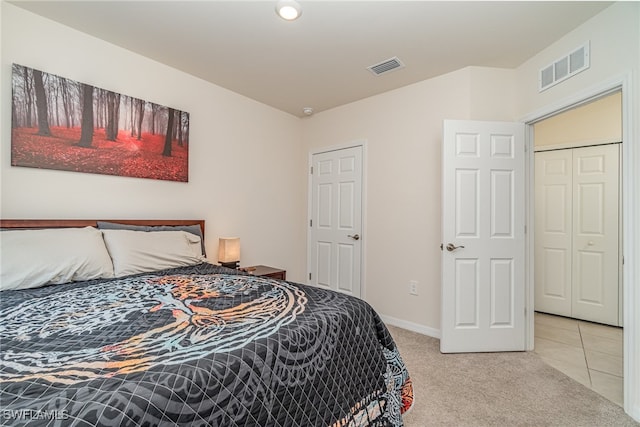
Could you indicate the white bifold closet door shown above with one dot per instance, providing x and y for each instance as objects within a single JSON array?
[{"x": 577, "y": 233}]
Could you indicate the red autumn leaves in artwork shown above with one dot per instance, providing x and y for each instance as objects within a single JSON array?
[
  {"x": 88, "y": 129},
  {"x": 125, "y": 157}
]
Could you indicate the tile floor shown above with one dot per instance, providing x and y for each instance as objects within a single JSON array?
[{"x": 590, "y": 353}]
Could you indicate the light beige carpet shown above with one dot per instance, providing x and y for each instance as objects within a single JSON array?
[{"x": 496, "y": 389}]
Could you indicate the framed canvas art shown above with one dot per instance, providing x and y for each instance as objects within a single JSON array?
[{"x": 58, "y": 123}]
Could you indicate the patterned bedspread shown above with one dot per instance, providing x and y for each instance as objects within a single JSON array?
[{"x": 198, "y": 346}]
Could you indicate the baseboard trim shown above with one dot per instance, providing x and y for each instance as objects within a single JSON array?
[{"x": 414, "y": 327}]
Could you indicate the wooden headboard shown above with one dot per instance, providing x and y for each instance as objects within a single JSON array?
[{"x": 66, "y": 223}]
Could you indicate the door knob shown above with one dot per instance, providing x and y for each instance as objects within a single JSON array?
[
  {"x": 354, "y": 237},
  {"x": 451, "y": 247}
]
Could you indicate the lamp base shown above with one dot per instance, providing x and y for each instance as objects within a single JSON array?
[{"x": 232, "y": 264}]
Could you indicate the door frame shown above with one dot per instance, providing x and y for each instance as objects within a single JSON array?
[
  {"x": 362, "y": 143},
  {"x": 630, "y": 210}
]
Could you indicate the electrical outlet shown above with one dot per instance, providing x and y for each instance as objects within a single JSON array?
[{"x": 413, "y": 287}]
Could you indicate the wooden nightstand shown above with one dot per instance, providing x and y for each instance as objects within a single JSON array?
[{"x": 265, "y": 271}]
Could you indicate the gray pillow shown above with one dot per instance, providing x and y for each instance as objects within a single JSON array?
[{"x": 193, "y": 229}]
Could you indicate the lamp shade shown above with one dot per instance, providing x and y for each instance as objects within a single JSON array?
[{"x": 229, "y": 249}]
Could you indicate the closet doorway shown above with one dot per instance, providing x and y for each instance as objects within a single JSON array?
[
  {"x": 577, "y": 238},
  {"x": 578, "y": 244}
]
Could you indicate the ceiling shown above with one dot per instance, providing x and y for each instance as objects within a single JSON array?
[{"x": 320, "y": 60}]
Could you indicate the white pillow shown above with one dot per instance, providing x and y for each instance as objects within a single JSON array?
[
  {"x": 143, "y": 251},
  {"x": 32, "y": 258}
]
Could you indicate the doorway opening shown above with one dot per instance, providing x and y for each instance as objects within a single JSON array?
[{"x": 578, "y": 243}]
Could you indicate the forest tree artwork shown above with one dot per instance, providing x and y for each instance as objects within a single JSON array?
[{"x": 58, "y": 123}]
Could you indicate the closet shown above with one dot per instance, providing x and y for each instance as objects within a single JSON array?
[{"x": 577, "y": 230}]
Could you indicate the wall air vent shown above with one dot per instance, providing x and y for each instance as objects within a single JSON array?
[
  {"x": 565, "y": 67},
  {"x": 386, "y": 66}
]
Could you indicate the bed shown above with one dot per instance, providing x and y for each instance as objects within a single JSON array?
[{"x": 193, "y": 344}]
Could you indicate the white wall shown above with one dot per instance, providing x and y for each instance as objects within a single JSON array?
[
  {"x": 492, "y": 94},
  {"x": 403, "y": 130},
  {"x": 244, "y": 159},
  {"x": 614, "y": 36}
]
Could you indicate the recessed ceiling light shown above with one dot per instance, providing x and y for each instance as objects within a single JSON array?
[{"x": 288, "y": 9}]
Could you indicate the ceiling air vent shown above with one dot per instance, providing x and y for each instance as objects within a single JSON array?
[
  {"x": 565, "y": 67},
  {"x": 386, "y": 66}
]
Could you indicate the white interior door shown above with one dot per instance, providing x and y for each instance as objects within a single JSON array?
[
  {"x": 483, "y": 275},
  {"x": 595, "y": 233},
  {"x": 553, "y": 231},
  {"x": 336, "y": 220}
]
